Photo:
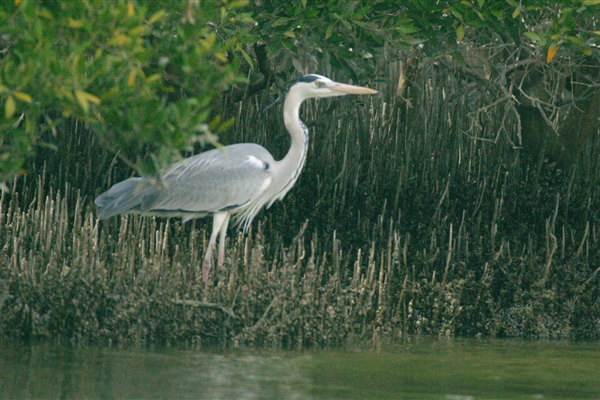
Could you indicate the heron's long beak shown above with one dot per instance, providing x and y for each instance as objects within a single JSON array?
[{"x": 342, "y": 88}]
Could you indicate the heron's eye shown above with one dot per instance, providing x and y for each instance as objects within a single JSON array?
[{"x": 318, "y": 84}]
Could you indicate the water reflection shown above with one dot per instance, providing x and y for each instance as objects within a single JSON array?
[
  {"x": 54, "y": 372},
  {"x": 422, "y": 369}
]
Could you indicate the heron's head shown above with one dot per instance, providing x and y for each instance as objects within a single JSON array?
[{"x": 313, "y": 85}]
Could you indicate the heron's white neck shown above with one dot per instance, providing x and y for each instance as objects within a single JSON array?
[{"x": 294, "y": 159}]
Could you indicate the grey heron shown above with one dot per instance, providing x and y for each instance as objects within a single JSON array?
[{"x": 236, "y": 180}]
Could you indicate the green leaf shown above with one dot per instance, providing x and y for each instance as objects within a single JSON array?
[
  {"x": 220, "y": 57},
  {"x": 23, "y": 97},
  {"x": 247, "y": 58},
  {"x": 460, "y": 32},
  {"x": 208, "y": 42},
  {"x": 346, "y": 24},
  {"x": 44, "y": 13},
  {"x": 75, "y": 23},
  {"x": 251, "y": 39},
  {"x": 156, "y": 17},
  {"x": 591, "y": 2},
  {"x": 47, "y": 145},
  {"x": 85, "y": 105},
  {"x": 131, "y": 79},
  {"x": 534, "y": 36},
  {"x": 329, "y": 30},
  {"x": 407, "y": 29},
  {"x": 481, "y": 3},
  {"x": 366, "y": 25},
  {"x": 279, "y": 22},
  {"x": 237, "y": 4},
  {"x": 456, "y": 14},
  {"x": 516, "y": 13},
  {"x": 152, "y": 78},
  {"x": 575, "y": 40},
  {"x": 222, "y": 127},
  {"x": 298, "y": 65},
  {"x": 9, "y": 107},
  {"x": 91, "y": 98}
]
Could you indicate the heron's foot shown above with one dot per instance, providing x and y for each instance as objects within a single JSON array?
[{"x": 205, "y": 270}]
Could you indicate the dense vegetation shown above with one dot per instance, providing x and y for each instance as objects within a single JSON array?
[{"x": 462, "y": 201}]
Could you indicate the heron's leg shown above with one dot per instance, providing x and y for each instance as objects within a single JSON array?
[
  {"x": 218, "y": 220},
  {"x": 223, "y": 233}
]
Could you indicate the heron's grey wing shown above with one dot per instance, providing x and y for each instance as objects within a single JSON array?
[
  {"x": 120, "y": 198},
  {"x": 216, "y": 180}
]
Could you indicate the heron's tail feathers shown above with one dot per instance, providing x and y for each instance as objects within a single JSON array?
[{"x": 120, "y": 198}]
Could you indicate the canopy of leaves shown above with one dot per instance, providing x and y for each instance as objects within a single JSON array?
[
  {"x": 353, "y": 36},
  {"x": 143, "y": 77}
]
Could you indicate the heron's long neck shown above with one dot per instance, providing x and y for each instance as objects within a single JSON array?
[{"x": 296, "y": 156}]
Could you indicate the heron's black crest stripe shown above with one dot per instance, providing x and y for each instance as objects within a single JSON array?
[
  {"x": 308, "y": 78},
  {"x": 275, "y": 102}
]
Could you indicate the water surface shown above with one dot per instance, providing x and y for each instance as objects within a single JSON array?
[{"x": 421, "y": 369}]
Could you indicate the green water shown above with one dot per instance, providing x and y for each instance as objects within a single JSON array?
[{"x": 422, "y": 369}]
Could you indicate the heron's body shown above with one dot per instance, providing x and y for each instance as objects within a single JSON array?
[
  {"x": 237, "y": 180},
  {"x": 198, "y": 186}
]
